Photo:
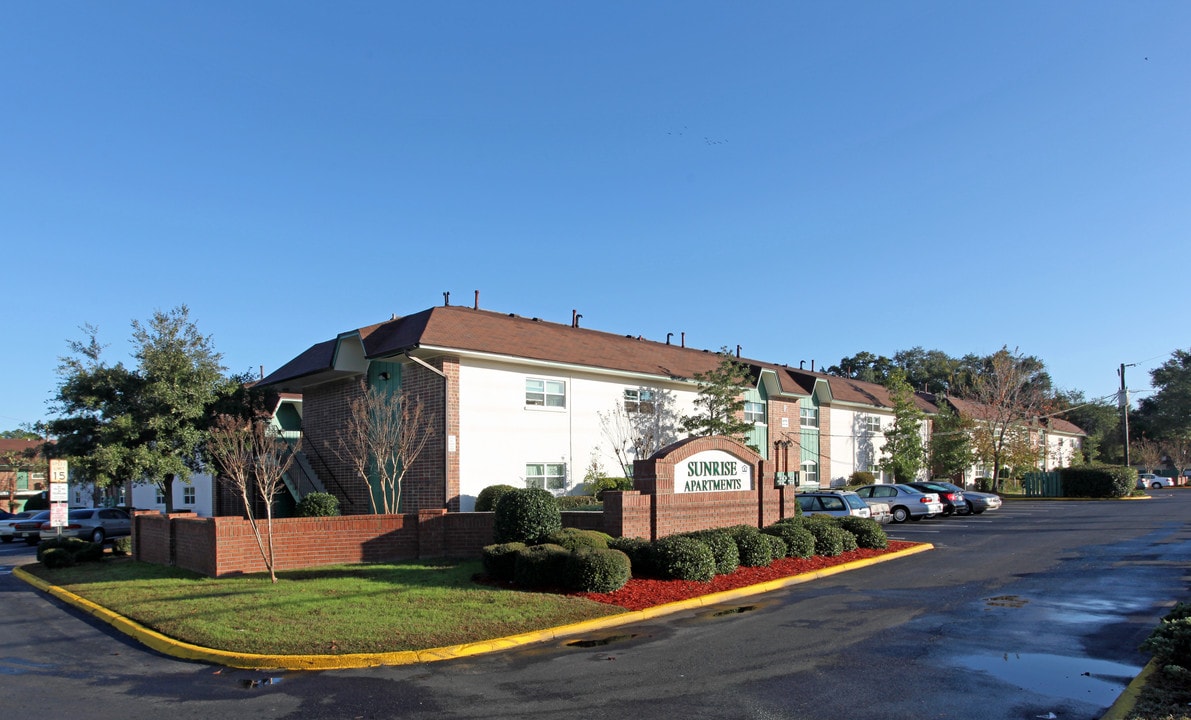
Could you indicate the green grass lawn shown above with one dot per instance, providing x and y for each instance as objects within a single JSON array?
[{"x": 320, "y": 611}]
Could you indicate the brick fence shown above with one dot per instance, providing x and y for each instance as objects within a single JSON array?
[{"x": 659, "y": 506}]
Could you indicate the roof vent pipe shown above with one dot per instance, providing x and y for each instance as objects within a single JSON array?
[
  {"x": 684, "y": 338},
  {"x": 737, "y": 351},
  {"x": 477, "y": 299},
  {"x": 812, "y": 364},
  {"x": 446, "y": 299},
  {"x": 668, "y": 336},
  {"x": 575, "y": 315},
  {"x": 802, "y": 364}
]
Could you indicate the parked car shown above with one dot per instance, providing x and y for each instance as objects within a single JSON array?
[
  {"x": 94, "y": 524},
  {"x": 879, "y": 510},
  {"x": 977, "y": 502},
  {"x": 833, "y": 502},
  {"x": 952, "y": 497},
  {"x": 1150, "y": 480},
  {"x": 28, "y": 528},
  {"x": 905, "y": 502},
  {"x": 6, "y": 532}
]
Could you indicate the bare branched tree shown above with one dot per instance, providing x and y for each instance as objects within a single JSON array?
[
  {"x": 1012, "y": 398},
  {"x": 252, "y": 460},
  {"x": 383, "y": 435},
  {"x": 1177, "y": 450},
  {"x": 639, "y": 426},
  {"x": 1147, "y": 453}
]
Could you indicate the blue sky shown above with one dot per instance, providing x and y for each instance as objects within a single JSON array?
[{"x": 806, "y": 180}]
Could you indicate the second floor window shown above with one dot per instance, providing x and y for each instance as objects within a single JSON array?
[
  {"x": 871, "y": 423},
  {"x": 638, "y": 401},
  {"x": 188, "y": 495},
  {"x": 754, "y": 412},
  {"x": 809, "y": 417},
  {"x": 545, "y": 393}
]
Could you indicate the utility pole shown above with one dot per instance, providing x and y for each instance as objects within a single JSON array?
[{"x": 1123, "y": 402}]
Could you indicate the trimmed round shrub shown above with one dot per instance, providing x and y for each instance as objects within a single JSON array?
[
  {"x": 80, "y": 550},
  {"x": 723, "y": 549},
  {"x": 318, "y": 504},
  {"x": 640, "y": 553},
  {"x": 122, "y": 545},
  {"x": 861, "y": 477},
  {"x": 777, "y": 546},
  {"x": 574, "y": 539},
  {"x": 526, "y": 515},
  {"x": 799, "y": 543},
  {"x": 830, "y": 539},
  {"x": 575, "y": 502},
  {"x": 541, "y": 566},
  {"x": 56, "y": 557},
  {"x": 600, "y": 571},
  {"x": 754, "y": 549},
  {"x": 486, "y": 500},
  {"x": 868, "y": 532},
  {"x": 684, "y": 558},
  {"x": 500, "y": 560}
]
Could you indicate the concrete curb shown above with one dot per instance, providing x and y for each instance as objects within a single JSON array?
[
  {"x": 252, "y": 661},
  {"x": 1128, "y": 698}
]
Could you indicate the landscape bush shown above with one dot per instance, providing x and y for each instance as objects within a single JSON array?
[
  {"x": 799, "y": 542},
  {"x": 683, "y": 558},
  {"x": 56, "y": 557},
  {"x": 1170, "y": 642},
  {"x": 501, "y": 559},
  {"x": 604, "y": 484},
  {"x": 861, "y": 477},
  {"x": 868, "y": 532},
  {"x": 1097, "y": 481},
  {"x": 526, "y": 515},
  {"x": 830, "y": 539},
  {"x": 640, "y": 554},
  {"x": 574, "y": 539},
  {"x": 122, "y": 545},
  {"x": 777, "y": 546},
  {"x": 576, "y": 502},
  {"x": 723, "y": 549},
  {"x": 540, "y": 566},
  {"x": 317, "y": 504},
  {"x": 80, "y": 550},
  {"x": 486, "y": 500},
  {"x": 599, "y": 571},
  {"x": 754, "y": 549}
]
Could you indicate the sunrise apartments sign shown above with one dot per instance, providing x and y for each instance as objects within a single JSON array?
[{"x": 712, "y": 471}]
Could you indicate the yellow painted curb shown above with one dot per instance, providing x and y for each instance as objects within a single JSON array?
[
  {"x": 253, "y": 661},
  {"x": 1124, "y": 704}
]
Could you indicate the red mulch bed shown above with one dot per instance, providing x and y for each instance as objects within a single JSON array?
[{"x": 641, "y": 593}]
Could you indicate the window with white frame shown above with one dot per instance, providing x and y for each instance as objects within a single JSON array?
[
  {"x": 545, "y": 393},
  {"x": 808, "y": 417},
  {"x": 754, "y": 412},
  {"x": 871, "y": 423},
  {"x": 551, "y": 476},
  {"x": 188, "y": 495},
  {"x": 639, "y": 400},
  {"x": 160, "y": 498},
  {"x": 810, "y": 473}
]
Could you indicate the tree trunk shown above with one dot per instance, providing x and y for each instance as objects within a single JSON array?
[{"x": 167, "y": 486}]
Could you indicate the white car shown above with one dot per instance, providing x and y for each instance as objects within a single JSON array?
[{"x": 1150, "y": 480}]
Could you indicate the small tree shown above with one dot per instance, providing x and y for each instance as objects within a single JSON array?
[
  {"x": 1147, "y": 453},
  {"x": 640, "y": 425},
  {"x": 384, "y": 434},
  {"x": 950, "y": 443},
  {"x": 1178, "y": 451},
  {"x": 253, "y": 462},
  {"x": 904, "y": 454},
  {"x": 1010, "y": 394},
  {"x": 720, "y": 404}
]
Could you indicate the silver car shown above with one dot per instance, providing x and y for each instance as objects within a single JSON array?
[
  {"x": 94, "y": 524},
  {"x": 977, "y": 502},
  {"x": 832, "y": 502},
  {"x": 905, "y": 502}
]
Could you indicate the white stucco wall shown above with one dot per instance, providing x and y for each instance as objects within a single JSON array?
[
  {"x": 144, "y": 496},
  {"x": 499, "y": 434}
]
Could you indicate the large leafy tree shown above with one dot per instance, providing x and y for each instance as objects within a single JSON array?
[
  {"x": 146, "y": 424},
  {"x": 904, "y": 454},
  {"x": 1167, "y": 413},
  {"x": 719, "y": 407}
]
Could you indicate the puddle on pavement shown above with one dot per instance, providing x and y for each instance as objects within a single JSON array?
[
  {"x": 599, "y": 642},
  {"x": 260, "y": 682},
  {"x": 1009, "y": 601},
  {"x": 1098, "y": 682},
  {"x": 733, "y": 610}
]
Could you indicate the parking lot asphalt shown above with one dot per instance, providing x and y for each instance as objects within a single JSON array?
[{"x": 1037, "y": 608}]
